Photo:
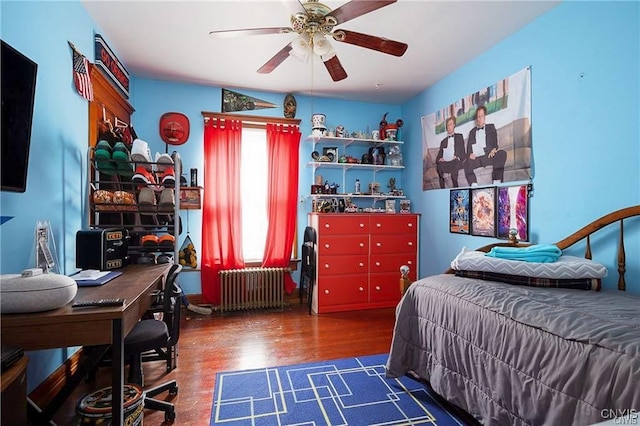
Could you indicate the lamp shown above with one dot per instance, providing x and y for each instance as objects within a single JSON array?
[{"x": 303, "y": 46}]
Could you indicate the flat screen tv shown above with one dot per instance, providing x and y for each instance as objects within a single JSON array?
[{"x": 18, "y": 74}]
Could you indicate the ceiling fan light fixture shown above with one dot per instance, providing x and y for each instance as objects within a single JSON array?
[
  {"x": 321, "y": 46},
  {"x": 301, "y": 44}
]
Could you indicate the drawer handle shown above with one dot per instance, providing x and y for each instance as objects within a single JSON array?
[
  {"x": 361, "y": 288},
  {"x": 378, "y": 225},
  {"x": 326, "y": 246},
  {"x": 326, "y": 292},
  {"x": 377, "y": 263},
  {"x": 326, "y": 225},
  {"x": 379, "y": 244},
  {"x": 362, "y": 225},
  {"x": 378, "y": 288},
  {"x": 361, "y": 264},
  {"x": 410, "y": 243},
  {"x": 410, "y": 262},
  {"x": 410, "y": 225},
  {"x": 361, "y": 244},
  {"x": 326, "y": 266}
]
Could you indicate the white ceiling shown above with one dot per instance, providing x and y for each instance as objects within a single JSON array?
[{"x": 169, "y": 40}]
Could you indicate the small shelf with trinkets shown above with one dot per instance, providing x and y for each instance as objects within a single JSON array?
[{"x": 350, "y": 163}]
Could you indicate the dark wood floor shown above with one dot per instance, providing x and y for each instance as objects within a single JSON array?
[{"x": 239, "y": 341}]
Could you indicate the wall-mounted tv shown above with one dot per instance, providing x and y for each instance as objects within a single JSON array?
[{"x": 18, "y": 74}]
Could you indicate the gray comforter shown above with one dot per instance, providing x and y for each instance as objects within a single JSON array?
[{"x": 521, "y": 355}]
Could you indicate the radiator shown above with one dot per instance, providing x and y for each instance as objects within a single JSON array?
[{"x": 252, "y": 288}]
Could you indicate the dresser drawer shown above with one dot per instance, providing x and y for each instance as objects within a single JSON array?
[
  {"x": 393, "y": 224},
  {"x": 348, "y": 244},
  {"x": 394, "y": 243},
  {"x": 384, "y": 287},
  {"x": 342, "y": 225},
  {"x": 393, "y": 262},
  {"x": 334, "y": 265},
  {"x": 344, "y": 289}
]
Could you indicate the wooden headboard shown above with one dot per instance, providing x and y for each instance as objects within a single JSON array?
[{"x": 586, "y": 232}]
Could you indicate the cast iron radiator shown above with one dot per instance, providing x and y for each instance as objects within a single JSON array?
[{"x": 252, "y": 288}]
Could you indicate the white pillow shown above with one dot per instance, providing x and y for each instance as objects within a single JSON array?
[{"x": 566, "y": 267}]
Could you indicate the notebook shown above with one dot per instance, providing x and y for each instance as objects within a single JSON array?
[{"x": 90, "y": 277}]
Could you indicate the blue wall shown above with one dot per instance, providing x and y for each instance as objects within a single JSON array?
[
  {"x": 56, "y": 182},
  {"x": 581, "y": 169},
  {"x": 584, "y": 59},
  {"x": 154, "y": 98}
]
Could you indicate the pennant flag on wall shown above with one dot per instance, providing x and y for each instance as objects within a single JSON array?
[
  {"x": 81, "y": 76},
  {"x": 234, "y": 101}
]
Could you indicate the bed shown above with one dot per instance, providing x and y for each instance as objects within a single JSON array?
[{"x": 521, "y": 354}]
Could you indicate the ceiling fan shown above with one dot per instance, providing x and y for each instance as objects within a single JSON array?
[{"x": 314, "y": 23}]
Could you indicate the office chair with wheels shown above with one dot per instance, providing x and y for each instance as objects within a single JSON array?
[
  {"x": 308, "y": 267},
  {"x": 156, "y": 335}
]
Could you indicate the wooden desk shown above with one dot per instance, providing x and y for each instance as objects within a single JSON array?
[{"x": 67, "y": 326}]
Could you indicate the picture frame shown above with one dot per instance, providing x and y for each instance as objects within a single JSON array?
[
  {"x": 331, "y": 150},
  {"x": 459, "y": 211},
  {"x": 390, "y": 206},
  {"x": 513, "y": 212},
  {"x": 483, "y": 211}
]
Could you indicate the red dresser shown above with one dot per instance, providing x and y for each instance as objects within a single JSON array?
[{"x": 359, "y": 258}]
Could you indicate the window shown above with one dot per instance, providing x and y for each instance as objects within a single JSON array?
[{"x": 253, "y": 184}]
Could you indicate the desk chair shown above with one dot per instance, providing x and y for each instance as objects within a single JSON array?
[
  {"x": 308, "y": 267},
  {"x": 156, "y": 335}
]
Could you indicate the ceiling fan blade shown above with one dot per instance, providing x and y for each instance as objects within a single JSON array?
[
  {"x": 249, "y": 31},
  {"x": 356, "y": 8},
  {"x": 368, "y": 41},
  {"x": 294, "y": 6},
  {"x": 335, "y": 69},
  {"x": 277, "y": 59}
]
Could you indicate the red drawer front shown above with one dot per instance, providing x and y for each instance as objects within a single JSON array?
[
  {"x": 385, "y": 286},
  {"x": 349, "y": 244},
  {"x": 343, "y": 225},
  {"x": 335, "y": 265},
  {"x": 394, "y": 224},
  {"x": 342, "y": 290},
  {"x": 393, "y": 262},
  {"x": 389, "y": 243}
]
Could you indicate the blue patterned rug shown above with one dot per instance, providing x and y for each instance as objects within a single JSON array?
[{"x": 352, "y": 391}]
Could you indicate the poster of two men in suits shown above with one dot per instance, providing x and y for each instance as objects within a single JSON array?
[{"x": 481, "y": 139}]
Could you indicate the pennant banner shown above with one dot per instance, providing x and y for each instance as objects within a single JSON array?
[{"x": 234, "y": 101}]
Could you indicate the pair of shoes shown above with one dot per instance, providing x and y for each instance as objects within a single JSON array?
[
  {"x": 141, "y": 155},
  {"x": 165, "y": 179},
  {"x": 164, "y": 164},
  {"x": 149, "y": 240},
  {"x": 113, "y": 160},
  {"x": 147, "y": 201},
  {"x": 166, "y": 240},
  {"x": 167, "y": 202}
]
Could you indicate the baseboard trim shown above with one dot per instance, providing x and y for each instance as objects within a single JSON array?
[{"x": 43, "y": 394}]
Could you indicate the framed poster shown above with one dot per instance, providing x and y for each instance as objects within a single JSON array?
[
  {"x": 459, "y": 211},
  {"x": 513, "y": 212},
  {"x": 483, "y": 211}
]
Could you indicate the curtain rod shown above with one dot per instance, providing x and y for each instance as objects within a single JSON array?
[{"x": 250, "y": 119}]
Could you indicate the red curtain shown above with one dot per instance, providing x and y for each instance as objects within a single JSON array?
[
  {"x": 221, "y": 213},
  {"x": 283, "y": 143}
]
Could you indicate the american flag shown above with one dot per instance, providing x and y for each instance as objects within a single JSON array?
[{"x": 81, "y": 75}]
